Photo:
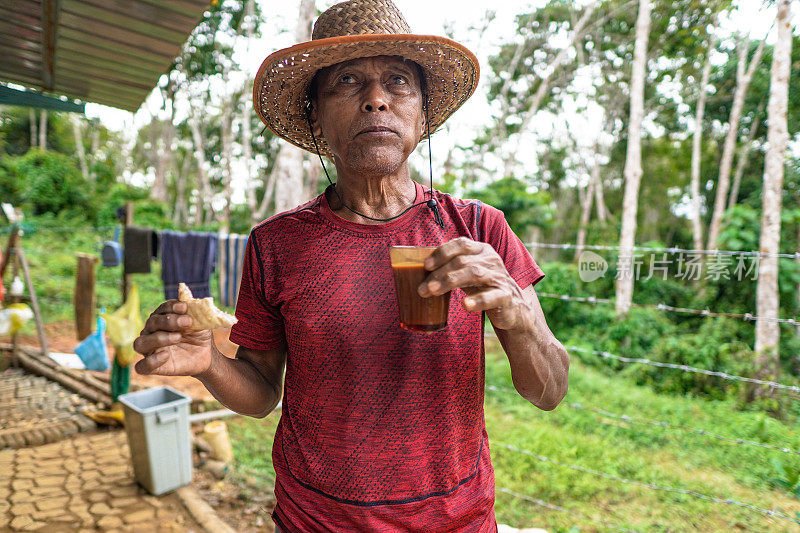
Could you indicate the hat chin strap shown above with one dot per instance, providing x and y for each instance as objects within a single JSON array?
[{"x": 432, "y": 204}]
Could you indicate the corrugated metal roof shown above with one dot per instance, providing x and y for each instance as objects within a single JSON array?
[{"x": 111, "y": 52}]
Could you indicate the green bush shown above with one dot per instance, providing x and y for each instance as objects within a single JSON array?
[
  {"x": 51, "y": 183},
  {"x": 716, "y": 346}
]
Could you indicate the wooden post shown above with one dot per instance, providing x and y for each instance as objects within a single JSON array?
[
  {"x": 126, "y": 278},
  {"x": 37, "y": 315},
  {"x": 84, "y": 295},
  {"x": 13, "y": 240}
]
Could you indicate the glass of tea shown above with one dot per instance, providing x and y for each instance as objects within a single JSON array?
[{"x": 417, "y": 313}]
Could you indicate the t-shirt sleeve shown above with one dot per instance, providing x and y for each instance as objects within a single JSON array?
[
  {"x": 494, "y": 230},
  {"x": 260, "y": 324}
]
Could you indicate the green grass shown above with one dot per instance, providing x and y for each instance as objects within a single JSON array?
[{"x": 665, "y": 457}]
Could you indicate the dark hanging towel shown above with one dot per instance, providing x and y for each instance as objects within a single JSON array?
[
  {"x": 137, "y": 243},
  {"x": 188, "y": 258}
]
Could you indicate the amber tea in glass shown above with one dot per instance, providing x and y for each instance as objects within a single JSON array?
[{"x": 417, "y": 313}]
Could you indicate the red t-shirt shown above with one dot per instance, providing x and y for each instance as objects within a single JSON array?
[{"x": 381, "y": 429}]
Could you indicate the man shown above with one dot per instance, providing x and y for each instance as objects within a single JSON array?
[{"x": 381, "y": 429}]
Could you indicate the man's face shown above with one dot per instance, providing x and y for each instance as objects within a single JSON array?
[{"x": 370, "y": 112}]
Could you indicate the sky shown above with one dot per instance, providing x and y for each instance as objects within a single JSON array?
[{"x": 428, "y": 17}]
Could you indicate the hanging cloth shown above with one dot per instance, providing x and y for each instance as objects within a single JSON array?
[
  {"x": 138, "y": 243},
  {"x": 188, "y": 258},
  {"x": 231, "y": 259}
]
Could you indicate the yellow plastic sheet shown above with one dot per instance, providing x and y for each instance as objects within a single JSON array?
[
  {"x": 123, "y": 326},
  {"x": 13, "y": 317}
]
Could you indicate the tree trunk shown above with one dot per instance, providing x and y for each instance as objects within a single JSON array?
[
  {"x": 203, "y": 189},
  {"x": 247, "y": 113},
  {"x": 633, "y": 162},
  {"x": 180, "y": 215},
  {"x": 744, "y": 154},
  {"x": 697, "y": 224},
  {"x": 767, "y": 298},
  {"x": 162, "y": 144},
  {"x": 288, "y": 169},
  {"x": 43, "y": 130},
  {"x": 32, "y": 119},
  {"x": 269, "y": 193},
  {"x": 81, "y": 153},
  {"x": 744, "y": 74},
  {"x": 586, "y": 211},
  {"x": 95, "y": 142},
  {"x": 227, "y": 156},
  {"x": 158, "y": 190},
  {"x": 599, "y": 200},
  {"x": 288, "y": 178}
]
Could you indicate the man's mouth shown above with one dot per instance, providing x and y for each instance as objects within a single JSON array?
[{"x": 376, "y": 130}]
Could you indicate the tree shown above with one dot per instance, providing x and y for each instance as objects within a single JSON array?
[
  {"x": 767, "y": 296},
  {"x": 633, "y": 162},
  {"x": 697, "y": 224},
  {"x": 744, "y": 74}
]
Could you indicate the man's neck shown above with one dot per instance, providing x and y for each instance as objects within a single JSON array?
[{"x": 376, "y": 197}]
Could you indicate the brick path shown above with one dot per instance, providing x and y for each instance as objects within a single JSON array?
[
  {"x": 35, "y": 410},
  {"x": 82, "y": 483}
]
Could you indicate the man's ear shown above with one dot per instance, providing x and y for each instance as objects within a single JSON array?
[{"x": 313, "y": 118}]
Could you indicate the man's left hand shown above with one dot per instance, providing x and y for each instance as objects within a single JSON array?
[{"x": 478, "y": 270}]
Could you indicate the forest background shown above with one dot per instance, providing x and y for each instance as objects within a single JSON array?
[{"x": 553, "y": 155}]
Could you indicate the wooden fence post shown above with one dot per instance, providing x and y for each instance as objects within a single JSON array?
[
  {"x": 84, "y": 295},
  {"x": 126, "y": 278}
]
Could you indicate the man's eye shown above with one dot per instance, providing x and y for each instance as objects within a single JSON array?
[
  {"x": 399, "y": 80},
  {"x": 347, "y": 78}
]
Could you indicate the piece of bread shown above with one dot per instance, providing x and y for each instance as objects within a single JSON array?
[{"x": 204, "y": 313}]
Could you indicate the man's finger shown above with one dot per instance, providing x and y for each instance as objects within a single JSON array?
[
  {"x": 166, "y": 322},
  {"x": 151, "y": 363},
  {"x": 146, "y": 344},
  {"x": 452, "y": 276},
  {"x": 486, "y": 300},
  {"x": 451, "y": 249},
  {"x": 170, "y": 306}
]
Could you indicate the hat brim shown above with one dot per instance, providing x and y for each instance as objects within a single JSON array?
[{"x": 281, "y": 84}]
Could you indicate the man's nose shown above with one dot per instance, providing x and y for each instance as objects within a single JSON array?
[{"x": 375, "y": 97}]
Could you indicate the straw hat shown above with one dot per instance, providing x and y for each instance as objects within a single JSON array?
[{"x": 351, "y": 30}]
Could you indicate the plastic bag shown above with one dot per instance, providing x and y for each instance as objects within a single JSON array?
[
  {"x": 13, "y": 317},
  {"x": 124, "y": 326},
  {"x": 92, "y": 350}
]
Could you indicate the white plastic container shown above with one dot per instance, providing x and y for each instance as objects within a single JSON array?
[{"x": 157, "y": 424}]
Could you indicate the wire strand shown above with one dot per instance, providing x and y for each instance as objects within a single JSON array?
[{"x": 571, "y": 246}]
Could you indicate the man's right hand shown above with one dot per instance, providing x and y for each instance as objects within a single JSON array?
[{"x": 169, "y": 347}]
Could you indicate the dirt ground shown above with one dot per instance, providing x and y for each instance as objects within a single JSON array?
[
  {"x": 244, "y": 507},
  {"x": 243, "y": 504}
]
